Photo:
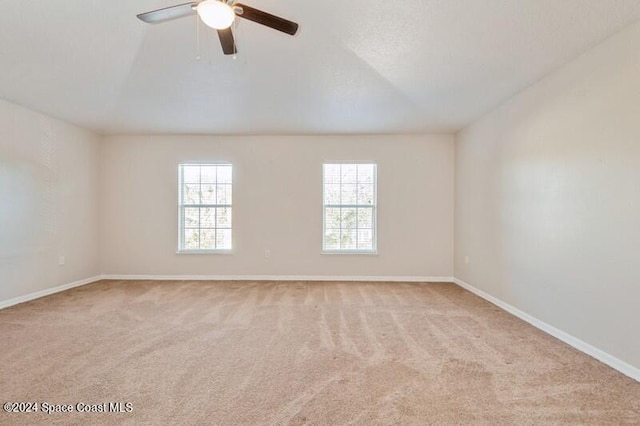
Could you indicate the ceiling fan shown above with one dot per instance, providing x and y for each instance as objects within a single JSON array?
[{"x": 220, "y": 15}]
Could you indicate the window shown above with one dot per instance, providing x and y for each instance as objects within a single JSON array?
[
  {"x": 205, "y": 207},
  {"x": 349, "y": 208}
]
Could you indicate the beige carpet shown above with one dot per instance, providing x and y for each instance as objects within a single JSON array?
[{"x": 237, "y": 353}]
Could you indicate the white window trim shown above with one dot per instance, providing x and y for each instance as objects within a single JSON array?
[
  {"x": 180, "y": 212},
  {"x": 361, "y": 252},
  {"x": 205, "y": 251}
]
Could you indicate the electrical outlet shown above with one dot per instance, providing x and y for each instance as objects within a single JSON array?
[
  {"x": 61, "y": 261},
  {"x": 267, "y": 254},
  {"x": 466, "y": 260}
]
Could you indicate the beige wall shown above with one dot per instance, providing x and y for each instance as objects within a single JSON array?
[
  {"x": 548, "y": 199},
  {"x": 48, "y": 202},
  {"x": 278, "y": 204}
]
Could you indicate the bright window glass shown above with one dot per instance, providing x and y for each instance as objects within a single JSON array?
[
  {"x": 205, "y": 207},
  {"x": 349, "y": 193}
]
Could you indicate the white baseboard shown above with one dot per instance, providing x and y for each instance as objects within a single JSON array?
[
  {"x": 47, "y": 292},
  {"x": 277, "y": 278},
  {"x": 600, "y": 355}
]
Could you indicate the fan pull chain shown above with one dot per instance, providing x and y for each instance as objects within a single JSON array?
[
  {"x": 197, "y": 38},
  {"x": 235, "y": 33}
]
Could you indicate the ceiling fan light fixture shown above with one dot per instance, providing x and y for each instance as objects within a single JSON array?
[{"x": 216, "y": 14}]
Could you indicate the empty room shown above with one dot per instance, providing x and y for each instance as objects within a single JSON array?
[{"x": 319, "y": 212}]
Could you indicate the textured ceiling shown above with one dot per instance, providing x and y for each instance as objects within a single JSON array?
[{"x": 358, "y": 66}]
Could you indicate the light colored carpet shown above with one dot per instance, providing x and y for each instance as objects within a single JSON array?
[{"x": 297, "y": 353}]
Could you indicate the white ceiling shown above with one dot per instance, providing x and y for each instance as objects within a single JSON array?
[{"x": 357, "y": 66}]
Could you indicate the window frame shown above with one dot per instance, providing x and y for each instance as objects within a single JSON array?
[
  {"x": 181, "y": 206},
  {"x": 374, "y": 211}
]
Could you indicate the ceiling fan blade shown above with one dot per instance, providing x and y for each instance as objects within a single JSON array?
[
  {"x": 267, "y": 19},
  {"x": 227, "y": 41},
  {"x": 168, "y": 13}
]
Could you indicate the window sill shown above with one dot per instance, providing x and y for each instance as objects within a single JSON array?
[
  {"x": 350, "y": 252},
  {"x": 204, "y": 252}
]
